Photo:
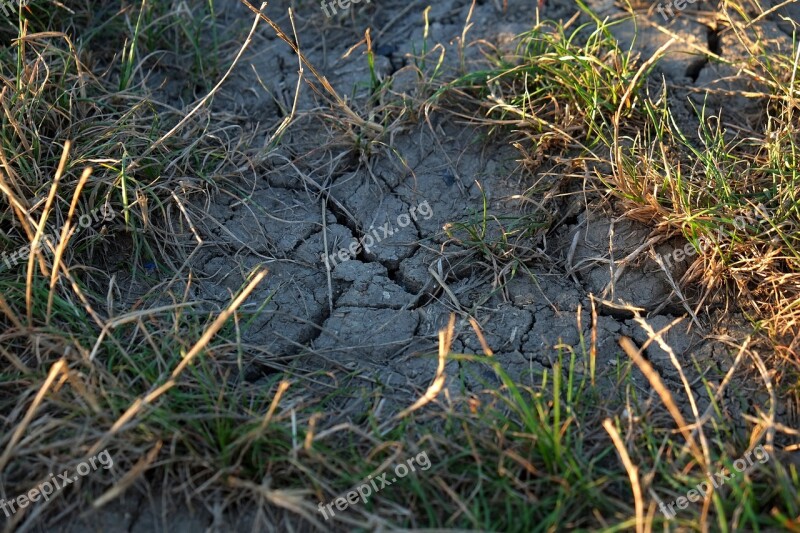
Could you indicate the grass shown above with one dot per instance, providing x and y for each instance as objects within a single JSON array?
[
  {"x": 577, "y": 92},
  {"x": 157, "y": 380}
]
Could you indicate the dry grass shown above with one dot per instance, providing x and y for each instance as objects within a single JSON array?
[{"x": 731, "y": 191}]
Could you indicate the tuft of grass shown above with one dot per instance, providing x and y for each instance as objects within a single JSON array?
[
  {"x": 732, "y": 192},
  {"x": 555, "y": 98},
  {"x": 560, "y": 87}
]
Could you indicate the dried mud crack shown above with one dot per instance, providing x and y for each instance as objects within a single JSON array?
[{"x": 380, "y": 309}]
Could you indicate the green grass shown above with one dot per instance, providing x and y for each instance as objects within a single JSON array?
[{"x": 576, "y": 93}]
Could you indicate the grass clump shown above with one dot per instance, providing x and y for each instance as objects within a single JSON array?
[
  {"x": 730, "y": 191},
  {"x": 93, "y": 192}
]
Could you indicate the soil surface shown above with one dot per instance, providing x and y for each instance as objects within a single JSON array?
[{"x": 362, "y": 273}]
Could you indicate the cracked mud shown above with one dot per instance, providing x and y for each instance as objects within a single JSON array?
[
  {"x": 393, "y": 274},
  {"x": 377, "y": 309}
]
